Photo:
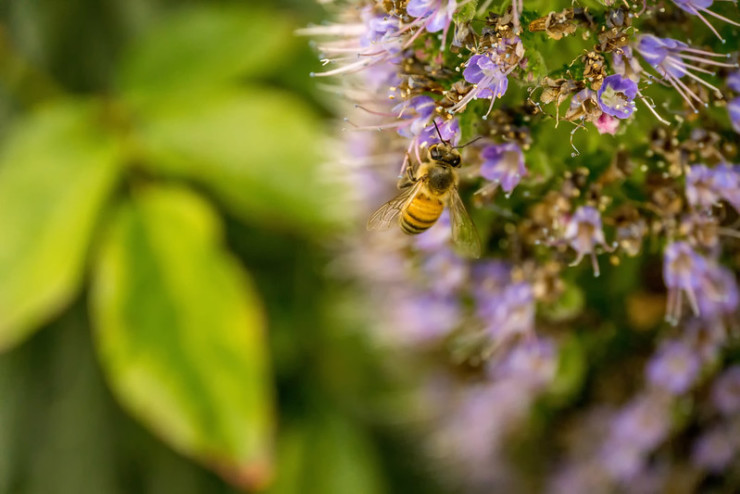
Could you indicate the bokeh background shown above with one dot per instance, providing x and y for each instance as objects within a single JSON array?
[{"x": 166, "y": 320}]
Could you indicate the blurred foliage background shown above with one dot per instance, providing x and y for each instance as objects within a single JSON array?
[{"x": 165, "y": 321}]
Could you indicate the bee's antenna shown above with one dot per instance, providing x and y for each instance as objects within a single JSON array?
[
  {"x": 439, "y": 133},
  {"x": 468, "y": 143}
]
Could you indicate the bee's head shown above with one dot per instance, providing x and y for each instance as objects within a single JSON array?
[{"x": 445, "y": 153}]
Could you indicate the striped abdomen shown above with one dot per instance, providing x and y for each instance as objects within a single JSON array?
[{"x": 421, "y": 213}]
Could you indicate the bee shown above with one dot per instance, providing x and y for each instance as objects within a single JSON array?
[{"x": 425, "y": 192}]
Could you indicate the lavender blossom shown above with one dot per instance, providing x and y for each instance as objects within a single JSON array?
[
  {"x": 488, "y": 78},
  {"x": 715, "y": 449},
  {"x": 491, "y": 329},
  {"x": 421, "y": 319},
  {"x": 671, "y": 59},
  {"x": 356, "y": 46},
  {"x": 535, "y": 361},
  {"x": 616, "y": 96},
  {"x": 584, "y": 233},
  {"x": 416, "y": 114},
  {"x": 683, "y": 272},
  {"x": 510, "y": 315},
  {"x": 701, "y": 187},
  {"x": 446, "y": 271},
  {"x": 733, "y": 81},
  {"x": 696, "y": 7},
  {"x": 435, "y": 15},
  {"x": 727, "y": 183},
  {"x": 706, "y": 186},
  {"x": 733, "y": 109},
  {"x": 718, "y": 295},
  {"x": 626, "y": 65},
  {"x": 726, "y": 391},
  {"x": 449, "y": 129},
  {"x": 438, "y": 238},
  {"x": 636, "y": 430},
  {"x": 503, "y": 164},
  {"x": 674, "y": 368}
]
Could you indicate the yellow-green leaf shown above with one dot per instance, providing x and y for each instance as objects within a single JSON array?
[
  {"x": 180, "y": 333},
  {"x": 201, "y": 47},
  {"x": 57, "y": 166},
  {"x": 258, "y": 149},
  {"x": 328, "y": 455}
]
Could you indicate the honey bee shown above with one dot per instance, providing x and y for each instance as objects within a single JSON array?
[{"x": 424, "y": 194}]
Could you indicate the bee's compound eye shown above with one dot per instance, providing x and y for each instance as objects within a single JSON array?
[
  {"x": 434, "y": 152},
  {"x": 455, "y": 161}
]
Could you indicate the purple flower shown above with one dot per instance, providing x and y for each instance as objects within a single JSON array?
[
  {"x": 436, "y": 238},
  {"x": 434, "y": 15},
  {"x": 714, "y": 450},
  {"x": 534, "y": 362},
  {"x": 638, "y": 428},
  {"x": 707, "y": 338},
  {"x": 626, "y": 65},
  {"x": 696, "y": 7},
  {"x": 623, "y": 461},
  {"x": 701, "y": 187},
  {"x": 733, "y": 81},
  {"x": 420, "y": 318},
  {"x": 503, "y": 164},
  {"x": 418, "y": 110},
  {"x": 380, "y": 28},
  {"x": 733, "y": 109},
  {"x": 718, "y": 295},
  {"x": 726, "y": 391},
  {"x": 706, "y": 186},
  {"x": 670, "y": 57},
  {"x": 489, "y": 279},
  {"x": 727, "y": 183},
  {"x": 449, "y": 129},
  {"x": 584, "y": 232},
  {"x": 642, "y": 422},
  {"x": 510, "y": 314},
  {"x": 488, "y": 77},
  {"x": 674, "y": 368},
  {"x": 372, "y": 42},
  {"x": 616, "y": 96},
  {"x": 683, "y": 272},
  {"x": 582, "y": 477},
  {"x": 445, "y": 271}
]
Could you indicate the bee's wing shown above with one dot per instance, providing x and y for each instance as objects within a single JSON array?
[
  {"x": 464, "y": 233},
  {"x": 388, "y": 212}
]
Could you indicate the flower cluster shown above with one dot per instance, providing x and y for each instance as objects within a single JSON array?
[{"x": 651, "y": 198}]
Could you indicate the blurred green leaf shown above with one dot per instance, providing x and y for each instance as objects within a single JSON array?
[
  {"x": 572, "y": 369},
  {"x": 202, "y": 47},
  {"x": 466, "y": 12},
  {"x": 56, "y": 170},
  {"x": 180, "y": 333},
  {"x": 342, "y": 459},
  {"x": 257, "y": 149},
  {"x": 329, "y": 455},
  {"x": 568, "y": 306}
]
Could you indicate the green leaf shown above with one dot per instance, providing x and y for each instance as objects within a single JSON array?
[
  {"x": 328, "y": 455},
  {"x": 56, "y": 170},
  {"x": 257, "y": 149},
  {"x": 466, "y": 12},
  {"x": 571, "y": 374},
  {"x": 180, "y": 333},
  {"x": 568, "y": 306},
  {"x": 202, "y": 47}
]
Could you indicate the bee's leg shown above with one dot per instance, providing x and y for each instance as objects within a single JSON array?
[{"x": 409, "y": 178}]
